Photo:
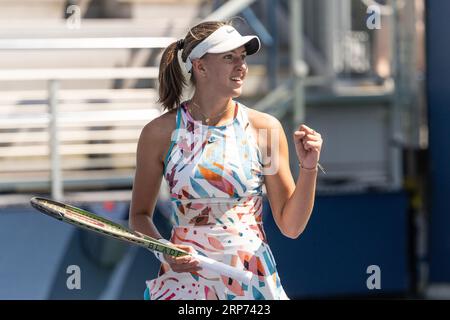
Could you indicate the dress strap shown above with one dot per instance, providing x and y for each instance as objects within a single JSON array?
[
  {"x": 184, "y": 114},
  {"x": 243, "y": 116}
]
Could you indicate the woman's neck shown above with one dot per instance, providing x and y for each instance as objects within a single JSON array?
[{"x": 203, "y": 106}]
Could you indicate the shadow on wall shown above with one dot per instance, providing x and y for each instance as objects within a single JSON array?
[{"x": 110, "y": 269}]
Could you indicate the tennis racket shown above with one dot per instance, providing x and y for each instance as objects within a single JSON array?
[{"x": 87, "y": 220}]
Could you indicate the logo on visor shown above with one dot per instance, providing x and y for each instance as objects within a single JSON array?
[{"x": 230, "y": 30}]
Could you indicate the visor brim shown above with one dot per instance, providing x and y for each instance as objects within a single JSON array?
[{"x": 251, "y": 43}]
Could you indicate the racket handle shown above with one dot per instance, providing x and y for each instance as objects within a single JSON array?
[{"x": 223, "y": 269}]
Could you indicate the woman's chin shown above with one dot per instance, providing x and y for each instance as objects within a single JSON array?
[{"x": 237, "y": 92}]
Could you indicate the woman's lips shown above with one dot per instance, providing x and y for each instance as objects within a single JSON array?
[{"x": 238, "y": 81}]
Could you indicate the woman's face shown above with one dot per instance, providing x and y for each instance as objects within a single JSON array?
[{"x": 224, "y": 72}]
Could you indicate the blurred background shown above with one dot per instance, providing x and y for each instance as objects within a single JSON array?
[{"x": 78, "y": 81}]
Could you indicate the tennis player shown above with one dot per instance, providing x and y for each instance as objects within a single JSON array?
[{"x": 216, "y": 155}]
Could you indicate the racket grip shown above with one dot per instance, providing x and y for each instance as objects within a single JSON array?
[{"x": 223, "y": 269}]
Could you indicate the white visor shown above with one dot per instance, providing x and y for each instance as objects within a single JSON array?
[{"x": 224, "y": 39}]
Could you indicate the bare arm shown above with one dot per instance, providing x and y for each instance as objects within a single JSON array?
[
  {"x": 291, "y": 203},
  {"x": 146, "y": 186},
  {"x": 147, "y": 181}
]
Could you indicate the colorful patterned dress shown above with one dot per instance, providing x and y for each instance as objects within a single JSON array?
[{"x": 215, "y": 179}]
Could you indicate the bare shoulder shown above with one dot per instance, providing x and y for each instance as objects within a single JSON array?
[
  {"x": 263, "y": 126},
  {"x": 262, "y": 120},
  {"x": 157, "y": 133},
  {"x": 161, "y": 123}
]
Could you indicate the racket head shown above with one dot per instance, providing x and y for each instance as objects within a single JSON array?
[
  {"x": 87, "y": 220},
  {"x": 80, "y": 218},
  {"x": 42, "y": 205}
]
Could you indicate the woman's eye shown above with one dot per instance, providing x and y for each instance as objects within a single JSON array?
[{"x": 230, "y": 57}]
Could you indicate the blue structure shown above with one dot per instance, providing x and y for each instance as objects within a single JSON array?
[
  {"x": 438, "y": 79},
  {"x": 346, "y": 235}
]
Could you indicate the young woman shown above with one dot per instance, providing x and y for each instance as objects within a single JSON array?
[{"x": 210, "y": 151}]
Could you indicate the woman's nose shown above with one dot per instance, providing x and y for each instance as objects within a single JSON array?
[{"x": 241, "y": 63}]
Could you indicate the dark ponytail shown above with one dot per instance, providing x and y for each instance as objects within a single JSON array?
[{"x": 171, "y": 77}]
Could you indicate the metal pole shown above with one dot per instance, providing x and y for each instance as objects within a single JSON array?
[
  {"x": 299, "y": 73},
  {"x": 56, "y": 176},
  {"x": 228, "y": 9},
  {"x": 272, "y": 59},
  {"x": 395, "y": 124},
  {"x": 331, "y": 35},
  {"x": 298, "y": 66}
]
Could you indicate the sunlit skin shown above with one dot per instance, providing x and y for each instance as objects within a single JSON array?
[
  {"x": 291, "y": 201},
  {"x": 215, "y": 88}
]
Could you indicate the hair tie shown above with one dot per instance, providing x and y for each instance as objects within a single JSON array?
[{"x": 180, "y": 44}]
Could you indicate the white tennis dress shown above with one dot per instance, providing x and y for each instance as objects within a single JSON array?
[{"x": 215, "y": 179}]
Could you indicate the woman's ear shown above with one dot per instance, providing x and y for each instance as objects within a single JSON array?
[{"x": 198, "y": 65}]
